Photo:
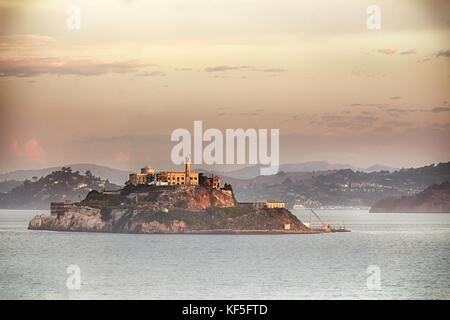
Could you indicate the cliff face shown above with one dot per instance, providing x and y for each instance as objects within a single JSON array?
[
  {"x": 79, "y": 219},
  {"x": 154, "y": 198},
  {"x": 229, "y": 219},
  {"x": 435, "y": 198},
  {"x": 196, "y": 198}
]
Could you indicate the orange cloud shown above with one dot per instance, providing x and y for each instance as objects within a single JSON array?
[
  {"x": 122, "y": 157},
  {"x": 388, "y": 51},
  {"x": 29, "y": 150},
  {"x": 24, "y": 42},
  {"x": 26, "y": 66}
]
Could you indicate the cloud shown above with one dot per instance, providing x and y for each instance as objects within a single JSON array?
[
  {"x": 331, "y": 117},
  {"x": 440, "y": 109},
  {"x": 436, "y": 55},
  {"x": 122, "y": 157},
  {"x": 24, "y": 42},
  {"x": 395, "y": 98},
  {"x": 183, "y": 69},
  {"x": 365, "y": 119},
  {"x": 375, "y": 105},
  {"x": 442, "y": 53},
  {"x": 29, "y": 150},
  {"x": 128, "y": 139},
  {"x": 410, "y": 51},
  {"x": 225, "y": 68},
  {"x": 21, "y": 66},
  {"x": 388, "y": 51},
  {"x": 231, "y": 68},
  {"x": 151, "y": 74},
  {"x": 397, "y": 124},
  {"x": 398, "y": 110},
  {"x": 271, "y": 70}
]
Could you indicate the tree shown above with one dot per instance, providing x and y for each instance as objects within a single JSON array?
[{"x": 88, "y": 173}]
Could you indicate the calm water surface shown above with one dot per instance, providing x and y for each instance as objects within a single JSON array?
[{"x": 412, "y": 252}]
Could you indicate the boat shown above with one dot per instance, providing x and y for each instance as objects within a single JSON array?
[
  {"x": 340, "y": 229},
  {"x": 329, "y": 228}
]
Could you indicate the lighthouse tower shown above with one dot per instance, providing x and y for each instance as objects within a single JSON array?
[{"x": 188, "y": 170}]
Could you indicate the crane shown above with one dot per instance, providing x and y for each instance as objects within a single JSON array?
[{"x": 324, "y": 225}]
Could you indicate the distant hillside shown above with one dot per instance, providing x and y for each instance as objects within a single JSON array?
[
  {"x": 435, "y": 198},
  {"x": 8, "y": 185},
  {"x": 311, "y": 166},
  {"x": 338, "y": 188},
  {"x": 115, "y": 176},
  {"x": 254, "y": 171},
  {"x": 60, "y": 185},
  {"x": 378, "y": 167}
]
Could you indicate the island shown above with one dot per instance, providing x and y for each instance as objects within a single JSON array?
[
  {"x": 434, "y": 199},
  {"x": 170, "y": 202}
]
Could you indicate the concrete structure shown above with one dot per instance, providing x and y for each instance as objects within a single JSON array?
[
  {"x": 263, "y": 204},
  {"x": 275, "y": 204},
  {"x": 253, "y": 205},
  {"x": 58, "y": 208},
  {"x": 213, "y": 182},
  {"x": 138, "y": 178},
  {"x": 149, "y": 176},
  {"x": 112, "y": 192},
  {"x": 178, "y": 178}
]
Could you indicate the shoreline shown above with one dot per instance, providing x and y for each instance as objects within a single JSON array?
[{"x": 196, "y": 232}]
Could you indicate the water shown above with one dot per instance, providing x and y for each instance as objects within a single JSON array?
[{"x": 410, "y": 250}]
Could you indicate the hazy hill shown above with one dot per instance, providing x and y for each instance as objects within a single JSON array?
[
  {"x": 338, "y": 187},
  {"x": 311, "y": 166},
  {"x": 60, "y": 185},
  {"x": 378, "y": 167},
  {"x": 8, "y": 185},
  {"x": 435, "y": 198},
  {"x": 115, "y": 176}
]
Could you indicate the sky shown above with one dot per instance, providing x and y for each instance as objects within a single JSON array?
[{"x": 113, "y": 91}]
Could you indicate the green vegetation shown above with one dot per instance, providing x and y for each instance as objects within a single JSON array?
[
  {"x": 225, "y": 218},
  {"x": 230, "y": 212},
  {"x": 106, "y": 213},
  {"x": 102, "y": 205}
]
